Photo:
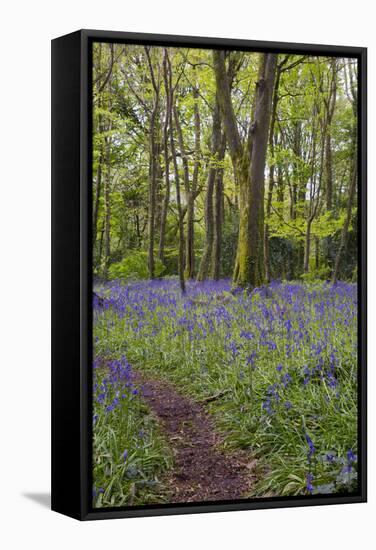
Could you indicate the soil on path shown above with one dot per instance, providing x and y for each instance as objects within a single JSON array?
[{"x": 201, "y": 471}]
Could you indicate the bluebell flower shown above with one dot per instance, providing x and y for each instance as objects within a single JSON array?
[
  {"x": 286, "y": 379},
  {"x": 246, "y": 334},
  {"x": 309, "y": 485},
  {"x": 288, "y": 325},
  {"x": 96, "y": 492},
  {"x": 351, "y": 457},
  {"x": 267, "y": 406},
  {"x": 251, "y": 359},
  {"x": 312, "y": 449},
  {"x": 101, "y": 397}
]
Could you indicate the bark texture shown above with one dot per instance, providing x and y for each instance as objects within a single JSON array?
[{"x": 249, "y": 165}]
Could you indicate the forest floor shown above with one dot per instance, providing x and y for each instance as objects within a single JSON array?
[
  {"x": 250, "y": 395},
  {"x": 201, "y": 472}
]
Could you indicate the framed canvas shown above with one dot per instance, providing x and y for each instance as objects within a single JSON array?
[{"x": 208, "y": 274}]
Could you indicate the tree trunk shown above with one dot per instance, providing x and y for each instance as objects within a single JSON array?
[
  {"x": 138, "y": 231},
  {"x": 328, "y": 243},
  {"x": 266, "y": 233},
  {"x": 166, "y": 199},
  {"x": 307, "y": 248},
  {"x": 189, "y": 241},
  {"x": 98, "y": 190},
  {"x": 317, "y": 253},
  {"x": 218, "y": 219},
  {"x": 328, "y": 172},
  {"x": 98, "y": 187},
  {"x": 190, "y": 251},
  {"x": 271, "y": 174},
  {"x": 101, "y": 245},
  {"x": 209, "y": 214},
  {"x": 181, "y": 226},
  {"x": 177, "y": 181},
  {"x": 346, "y": 225},
  {"x": 240, "y": 161},
  {"x": 159, "y": 182},
  {"x": 107, "y": 211},
  {"x": 209, "y": 228},
  {"x": 152, "y": 196},
  {"x": 330, "y": 104},
  {"x": 249, "y": 166},
  {"x": 154, "y": 166},
  {"x": 189, "y": 193},
  {"x": 251, "y": 250}
]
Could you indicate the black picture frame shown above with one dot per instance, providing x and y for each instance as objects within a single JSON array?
[{"x": 72, "y": 278}]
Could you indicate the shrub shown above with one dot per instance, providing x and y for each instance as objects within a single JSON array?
[{"x": 134, "y": 266}]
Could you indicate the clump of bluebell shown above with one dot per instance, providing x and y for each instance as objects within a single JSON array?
[{"x": 128, "y": 453}]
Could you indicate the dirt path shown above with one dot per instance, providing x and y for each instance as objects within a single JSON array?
[{"x": 202, "y": 472}]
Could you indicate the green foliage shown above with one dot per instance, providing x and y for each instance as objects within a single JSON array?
[
  {"x": 134, "y": 266},
  {"x": 321, "y": 273}
]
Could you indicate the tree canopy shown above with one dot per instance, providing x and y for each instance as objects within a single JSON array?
[{"x": 211, "y": 164}]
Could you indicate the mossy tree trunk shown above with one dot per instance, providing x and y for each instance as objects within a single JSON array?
[
  {"x": 249, "y": 165},
  {"x": 263, "y": 104}
]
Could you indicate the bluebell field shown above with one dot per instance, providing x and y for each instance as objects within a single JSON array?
[{"x": 283, "y": 360}]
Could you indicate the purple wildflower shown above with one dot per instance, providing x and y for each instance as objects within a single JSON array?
[
  {"x": 309, "y": 485},
  {"x": 312, "y": 449}
]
